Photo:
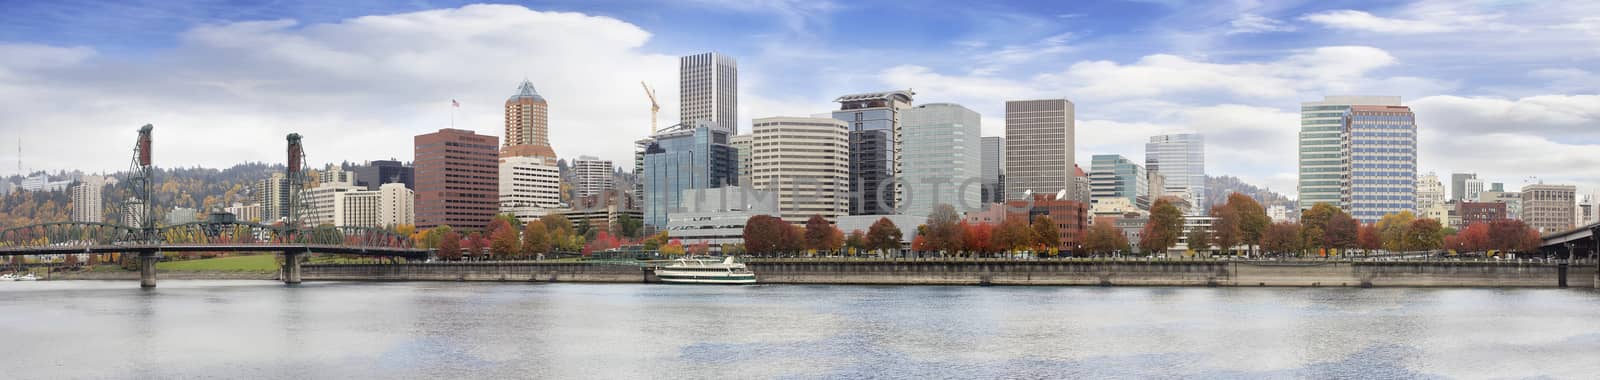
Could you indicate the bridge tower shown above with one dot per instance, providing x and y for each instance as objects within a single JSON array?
[
  {"x": 139, "y": 211},
  {"x": 296, "y": 172}
]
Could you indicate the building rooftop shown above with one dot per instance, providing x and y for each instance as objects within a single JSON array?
[
  {"x": 904, "y": 95},
  {"x": 526, "y": 91}
]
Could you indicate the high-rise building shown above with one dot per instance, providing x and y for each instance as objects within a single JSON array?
[
  {"x": 708, "y": 90},
  {"x": 528, "y": 125},
  {"x": 332, "y": 174},
  {"x": 458, "y": 179},
  {"x": 1180, "y": 159},
  {"x": 376, "y": 173},
  {"x": 87, "y": 203},
  {"x": 1324, "y": 174},
  {"x": 593, "y": 175},
  {"x": 245, "y": 213},
  {"x": 994, "y": 169},
  {"x": 1472, "y": 190},
  {"x": 321, "y": 201},
  {"x": 1382, "y": 143},
  {"x": 1458, "y": 185},
  {"x": 391, "y": 205},
  {"x": 272, "y": 194},
  {"x": 529, "y": 188},
  {"x": 875, "y": 127},
  {"x": 742, "y": 144},
  {"x": 942, "y": 154},
  {"x": 1039, "y": 148},
  {"x": 1115, "y": 176},
  {"x": 1549, "y": 208},
  {"x": 1430, "y": 198},
  {"x": 806, "y": 161},
  {"x": 683, "y": 157}
]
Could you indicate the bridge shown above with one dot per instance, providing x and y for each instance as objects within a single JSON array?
[
  {"x": 218, "y": 233},
  {"x": 1578, "y": 242}
]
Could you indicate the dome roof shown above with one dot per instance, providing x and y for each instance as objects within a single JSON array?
[{"x": 526, "y": 91}]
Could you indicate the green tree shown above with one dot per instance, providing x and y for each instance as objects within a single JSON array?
[
  {"x": 511, "y": 220},
  {"x": 535, "y": 239},
  {"x": 1392, "y": 229},
  {"x": 884, "y": 236},
  {"x": 1424, "y": 235},
  {"x": 1314, "y": 223},
  {"x": 628, "y": 226}
]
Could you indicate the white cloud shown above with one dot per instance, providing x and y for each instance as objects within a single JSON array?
[
  {"x": 1248, "y": 23},
  {"x": 357, "y": 89},
  {"x": 1567, "y": 117},
  {"x": 1430, "y": 18},
  {"x": 1333, "y": 68}
]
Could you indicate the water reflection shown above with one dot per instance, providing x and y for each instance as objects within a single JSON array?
[{"x": 399, "y": 330}]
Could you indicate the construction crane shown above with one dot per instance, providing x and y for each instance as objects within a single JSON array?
[{"x": 654, "y": 108}]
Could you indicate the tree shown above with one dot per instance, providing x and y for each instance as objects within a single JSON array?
[
  {"x": 1369, "y": 238},
  {"x": 1199, "y": 240},
  {"x": 511, "y": 220},
  {"x": 535, "y": 239},
  {"x": 1342, "y": 232},
  {"x": 1282, "y": 237},
  {"x": 585, "y": 229},
  {"x": 794, "y": 239},
  {"x": 817, "y": 234},
  {"x": 673, "y": 248},
  {"x": 503, "y": 241},
  {"x": 449, "y": 245},
  {"x": 1513, "y": 236},
  {"x": 70, "y": 261},
  {"x": 1314, "y": 225},
  {"x": 976, "y": 237},
  {"x": 476, "y": 244},
  {"x": 857, "y": 241},
  {"x": 1424, "y": 235},
  {"x": 1225, "y": 228},
  {"x": 944, "y": 230},
  {"x": 835, "y": 239},
  {"x": 1104, "y": 239},
  {"x": 884, "y": 236},
  {"x": 627, "y": 226},
  {"x": 654, "y": 242},
  {"x": 435, "y": 236},
  {"x": 763, "y": 234},
  {"x": 1013, "y": 234},
  {"x": 1392, "y": 229},
  {"x": 1162, "y": 230},
  {"x": 1046, "y": 234},
  {"x": 1253, "y": 219}
]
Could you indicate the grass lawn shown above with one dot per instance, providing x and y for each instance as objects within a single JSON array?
[{"x": 252, "y": 263}]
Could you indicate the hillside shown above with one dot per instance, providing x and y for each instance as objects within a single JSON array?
[{"x": 1218, "y": 189}]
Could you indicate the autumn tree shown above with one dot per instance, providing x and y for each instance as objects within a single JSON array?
[
  {"x": 1046, "y": 235},
  {"x": 794, "y": 239},
  {"x": 1282, "y": 237},
  {"x": 857, "y": 241},
  {"x": 1225, "y": 228},
  {"x": 1013, "y": 234},
  {"x": 975, "y": 238},
  {"x": 476, "y": 244},
  {"x": 1252, "y": 218},
  {"x": 817, "y": 234},
  {"x": 1424, "y": 235},
  {"x": 1162, "y": 230},
  {"x": 1198, "y": 240},
  {"x": 449, "y": 245},
  {"x": 1369, "y": 238},
  {"x": 1104, "y": 239},
  {"x": 884, "y": 236},
  {"x": 835, "y": 240},
  {"x": 1342, "y": 232},
  {"x": 763, "y": 234},
  {"x": 1314, "y": 223},
  {"x": 944, "y": 231},
  {"x": 503, "y": 240},
  {"x": 535, "y": 239},
  {"x": 1513, "y": 236},
  {"x": 1392, "y": 229}
]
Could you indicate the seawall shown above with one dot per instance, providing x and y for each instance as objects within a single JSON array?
[{"x": 1010, "y": 272}]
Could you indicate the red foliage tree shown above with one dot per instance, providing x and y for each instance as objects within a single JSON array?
[
  {"x": 476, "y": 244},
  {"x": 450, "y": 246},
  {"x": 1368, "y": 237},
  {"x": 764, "y": 234},
  {"x": 976, "y": 237}
]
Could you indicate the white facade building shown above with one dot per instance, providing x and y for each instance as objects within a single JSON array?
[
  {"x": 529, "y": 187},
  {"x": 806, "y": 161},
  {"x": 391, "y": 205},
  {"x": 245, "y": 213},
  {"x": 1180, "y": 159},
  {"x": 87, "y": 204},
  {"x": 941, "y": 146},
  {"x": 593, "y": 175},
  {"x": 717, "y": 216}
]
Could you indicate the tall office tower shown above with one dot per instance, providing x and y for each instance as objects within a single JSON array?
[
  {"x": 1180, "y": 159},
  {"x": 1472, "y": 190},
  {"x": 708, "y": 90},
  {"x": 1323, "y": 171},
  {"x": 272, "y": 194},
  {"x": 680, "y": 158},
  {"x": 593, "y": 174},
  {"x": 1430, "y": 198},
  {"x": 874, "y": 122},
  {"x": 458, "y": 179},
  {"x": 1458, "y": 185},
  {"x": 1039, "y": 149},
  {"x": 376, "y": 173},
  {"x": 1497, "y": 186},
  {"x": 806, "y": 161},
  {"x": 1549, "y": 208},
  {"x": 994, "y": 169},
  {"x": 942, "y": 151},
  {"x": 1114, "y": 176},
  {"x": 1382, "y": 143},
  {"x": 743, "y": 144},
  {"x": 529, "y": 188},
  {"x": 528, "y": 125},
  {"x": 87, "y": 203}
]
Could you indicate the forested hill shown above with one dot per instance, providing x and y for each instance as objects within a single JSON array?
[
  {"x": 1218, "y": 188},
  {"x": 196, "y": 188}
]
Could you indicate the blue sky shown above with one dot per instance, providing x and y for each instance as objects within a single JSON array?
[{"x": 1503, "y": 88}]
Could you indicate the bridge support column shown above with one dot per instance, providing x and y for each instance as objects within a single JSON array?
[
  {"x": 291, "y": 267},
  {"x": 147, "y": 269}
]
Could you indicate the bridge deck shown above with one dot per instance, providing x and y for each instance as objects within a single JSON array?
[{"x": 314, "y": 248}]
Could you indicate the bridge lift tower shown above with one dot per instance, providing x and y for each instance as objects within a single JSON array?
[{"x": 139, "y": 210}]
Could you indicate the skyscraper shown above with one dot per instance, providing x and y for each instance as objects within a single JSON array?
[
  {"x": 994, "y": 169},
  {"x": 743, "y": 144},
  {"x": 458, "y": 179},
  {"x": 1323, "y": 171},
  {"x": 1115, "y": 176},
  {"x": 272, "y": 194},
  {"x": 87, "y": 203},
  {"x": 1472, "y": 190},
  {"x": 806, "y": 161},
  {"x": 941, "y": 151},
  {"x": 680, "y": 158},
  {"x": 1180, "y": 159},
  {"x": 874, "y": 122},
  {"x": 529, "y": 188},
  {"x": 376, "y": 173},
  {"x": 1458, "y": 185},
  {"x": 1039, "y": 148},
  {"x": 528, "y": 125},
  {"x": 708, "y": 90},
  {"x": 1382, "y": 171},
  {"x": 593, "y": 175}
]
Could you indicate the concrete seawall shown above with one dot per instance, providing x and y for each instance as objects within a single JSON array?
[{"x": 1009, "y": 272}]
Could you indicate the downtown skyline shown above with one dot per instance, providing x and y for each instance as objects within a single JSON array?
[{"x": 358, "y": 84}]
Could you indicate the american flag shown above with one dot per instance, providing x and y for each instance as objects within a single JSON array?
[{"x": 454, "y": 103}]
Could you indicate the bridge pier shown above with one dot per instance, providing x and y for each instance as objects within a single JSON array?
[
  {"x": 291, "y": 267},
  {"x": 147, "y": 269}
]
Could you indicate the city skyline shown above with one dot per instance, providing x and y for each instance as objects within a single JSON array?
[{"x": 1240, "y": 83}]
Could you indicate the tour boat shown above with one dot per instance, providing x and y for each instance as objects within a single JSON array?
[
  {"x": 28, "y": 277},
  {"x": 8, "y": 277},
  {"x": 705, "y": 270}
]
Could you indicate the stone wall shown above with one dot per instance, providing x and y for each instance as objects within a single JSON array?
[{"x": 487, "y": 271}]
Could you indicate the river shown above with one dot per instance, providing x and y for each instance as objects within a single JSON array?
[{"x": 262, "y": 329}]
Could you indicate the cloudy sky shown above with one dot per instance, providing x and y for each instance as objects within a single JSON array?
[{"x": 1507, "y": 89}]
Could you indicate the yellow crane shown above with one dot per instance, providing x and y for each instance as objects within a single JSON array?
[{"x": 654, "y": 108}]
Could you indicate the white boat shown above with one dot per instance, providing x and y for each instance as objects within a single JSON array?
[
  {"x": 8, "y": 277},
  {"x": 28, "y": 277},
  {"x": 705, "y": 270}
]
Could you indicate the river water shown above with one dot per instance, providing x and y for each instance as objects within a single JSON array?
[{"x": 262, "y": 329}]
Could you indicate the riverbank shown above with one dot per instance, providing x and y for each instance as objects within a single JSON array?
[{"x": 1011, "y": 272}]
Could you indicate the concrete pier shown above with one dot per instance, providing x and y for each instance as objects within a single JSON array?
[
  {"x": 147, "y": 269},
  {"x": 291, "y": 268}
]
